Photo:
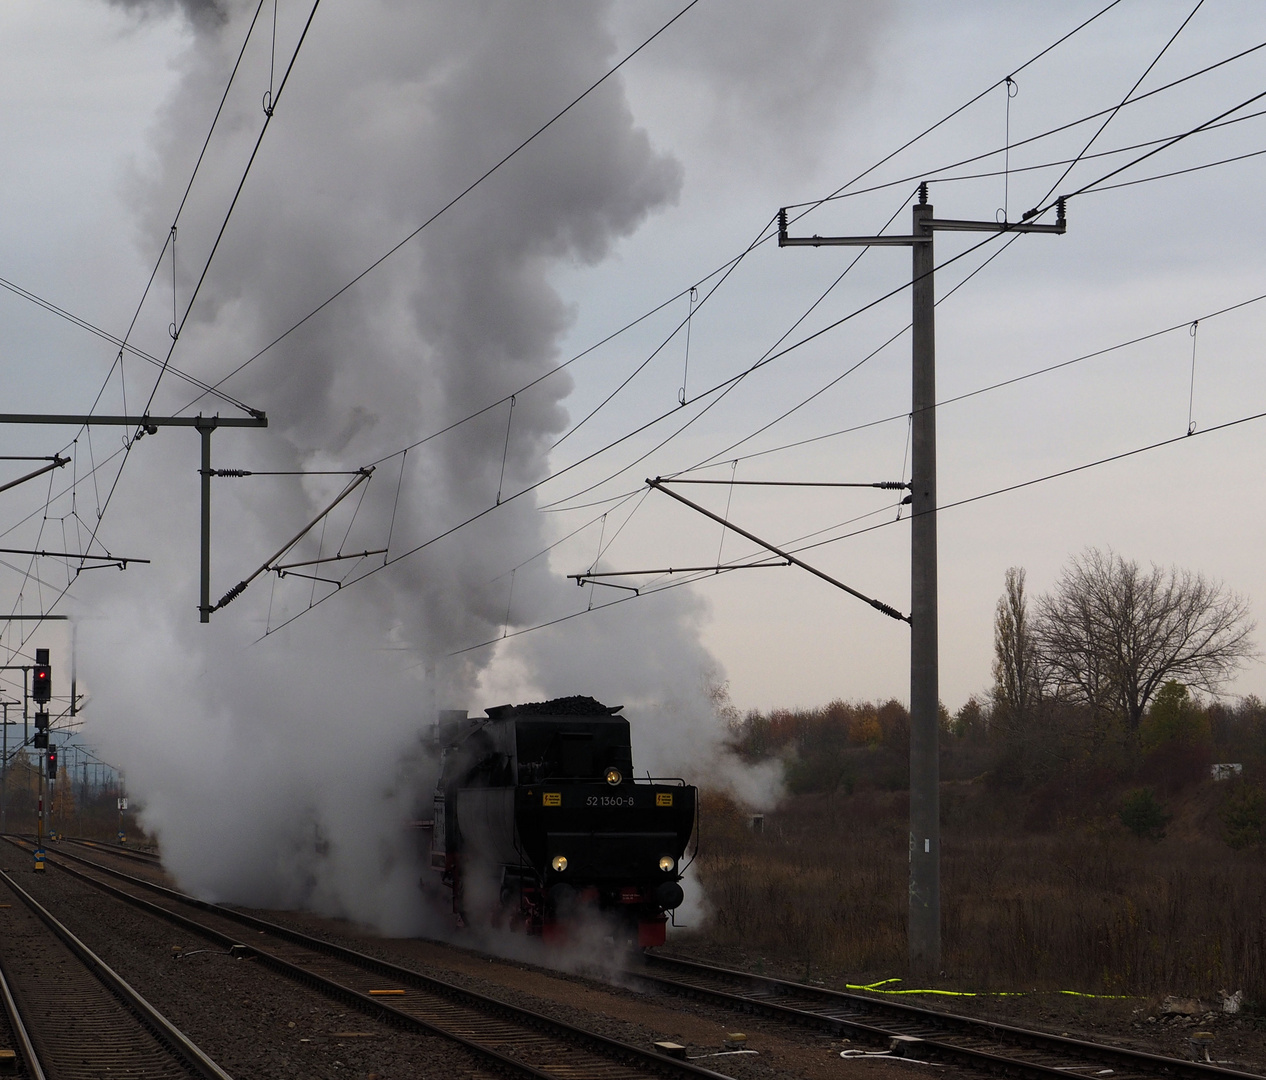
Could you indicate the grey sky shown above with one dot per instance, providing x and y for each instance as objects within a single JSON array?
[{"x": 753, "y": 119}]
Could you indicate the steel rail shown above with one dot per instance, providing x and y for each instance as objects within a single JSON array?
[
  {"x": 147, "y": 857},
  {"x": 815, "y": 1001},
  {"x": 176, "y": 1041},
  {"x": 612, "y": 1049},
  {"x": 23, "y": 1037}
]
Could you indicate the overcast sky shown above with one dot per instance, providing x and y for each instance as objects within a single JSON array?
[{"x": 736, "y": 110}]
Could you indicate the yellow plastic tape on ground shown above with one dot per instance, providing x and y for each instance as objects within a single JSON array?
[{"x": 875, "y": 988}]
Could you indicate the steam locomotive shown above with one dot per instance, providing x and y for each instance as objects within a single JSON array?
[{"x": 539, "y": 824}]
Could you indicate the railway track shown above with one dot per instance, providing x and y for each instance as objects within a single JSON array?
[
  {"x": 920, "y": 1033},
  {"x": 510, "y": 1039},
  {"x": 15, "y": 1041},
  {"x": 134, "y": 854},
  {"x": 902, "y": 1029},
  {"x": 71, "y": 1016}
]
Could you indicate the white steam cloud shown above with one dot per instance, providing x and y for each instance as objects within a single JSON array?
[{"x": 283, "y": 773}]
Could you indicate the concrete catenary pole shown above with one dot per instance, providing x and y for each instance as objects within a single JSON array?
[
  {"x": 925, "y": 801},
  {"x": 924, "y": 928}
]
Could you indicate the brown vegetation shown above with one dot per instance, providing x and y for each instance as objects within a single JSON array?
[
  {"x": 1047, "y": 880},
  {"x": 73, "y": 808}
]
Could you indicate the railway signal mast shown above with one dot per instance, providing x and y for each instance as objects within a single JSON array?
[
  {"x": 925, "y": 807},
  {"x": 42, "y": 694}
]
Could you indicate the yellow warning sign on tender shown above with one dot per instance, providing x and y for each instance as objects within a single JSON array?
[
  {"x": 552, "y": 798},
  {"x": 664, "y": 798}
]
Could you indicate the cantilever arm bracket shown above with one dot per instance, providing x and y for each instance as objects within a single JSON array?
[{"x": 659, "y": 485}]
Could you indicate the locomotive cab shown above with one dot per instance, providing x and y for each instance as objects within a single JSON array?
[{"x": 540, "y": 801}]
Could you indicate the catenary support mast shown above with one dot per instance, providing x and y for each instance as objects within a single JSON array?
[
  {"x": 925, "y": 811},
  {"x": 925, "y": 768},
  {"x": 149, "y": 425}
]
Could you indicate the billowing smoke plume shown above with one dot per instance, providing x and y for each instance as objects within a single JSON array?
[{"x": 284, "y": 772}]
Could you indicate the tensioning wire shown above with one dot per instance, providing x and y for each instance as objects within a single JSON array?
[
  {"x": 949, "y": 116},
  {"x": 989, "y": 388},
  {"x": 724, "y": 454},
  {"x": 206, "y": 266},
  {"x": 1108, "y": 119},
  {"x": 727, "y": 383},
  {"x": 460, "y": 195},
  {"x": 575, "y": 464},
  {"x": 680, "y": 293},
  {"x": 847, "y": 192},
  {"x": 1037, "y": 211},
  {"x": 881, "y": 525}
]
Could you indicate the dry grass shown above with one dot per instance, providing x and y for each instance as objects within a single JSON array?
[
  {"x": 1092, "y": 909},
  {"x": 72, "y": 808}
]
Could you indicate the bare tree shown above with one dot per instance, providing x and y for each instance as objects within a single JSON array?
[
  {"x": 1015, "y": 663},
  {"x": 1110, "y": 635}
]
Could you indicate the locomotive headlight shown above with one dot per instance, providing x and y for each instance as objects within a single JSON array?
[
  {"x": 559, "y": 863},
  {"x": 614, "y": 776},
  {"x": 667, "y": 863}
]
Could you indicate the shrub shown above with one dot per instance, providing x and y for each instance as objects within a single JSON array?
[
  {"x": 1173, "y": 766},
  {"x": 824, "y": 771},
  {"x": 1244, "y": 816},
  {"x": 1174, "y": 718},
  {"x": 1143, "y": 815}
]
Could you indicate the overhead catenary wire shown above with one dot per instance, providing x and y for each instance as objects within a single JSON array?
[
  {"x": 989, "y": 388},
  {"x": 646, "y": 592},
  {"x": 682, "y": 400},
  {"x": 206, "y": 266},
  {"x": 729, "y": 385},
  {"x": 1071, "y": 471},
  {"x": 726, "y": 451},
  {"x": 935, "y": 173},
  {"x": 1133, "y": 341},
  {"x": 967, "y": 104},
  {"x": 120, "y": 342},
  {"x": 123, "y": 343},
  {"x": 1173, "y": 172},
  {"x": 478, "y": 515},
  {"x": 1166, "y": 142},
  {"x": 724, "y": 387},
  {"x": 460, "y": 195},
  {"x": 1173, "y": 141},
  {"x": 1041, "y": 53},
  {"x": 939, "y": 175},
  {"x": 1108, "y": 119},
  {"x": 228, "y": 214}
]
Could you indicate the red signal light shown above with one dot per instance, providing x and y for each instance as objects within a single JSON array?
[{"x": 41, "y": 684}]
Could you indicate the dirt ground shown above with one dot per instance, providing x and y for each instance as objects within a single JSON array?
[
  {"x": 1138, "y": 1023},
  {"x": 608, "y": 1004}
]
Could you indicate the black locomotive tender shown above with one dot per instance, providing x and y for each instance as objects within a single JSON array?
[{"x": 543, "y": 797}]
